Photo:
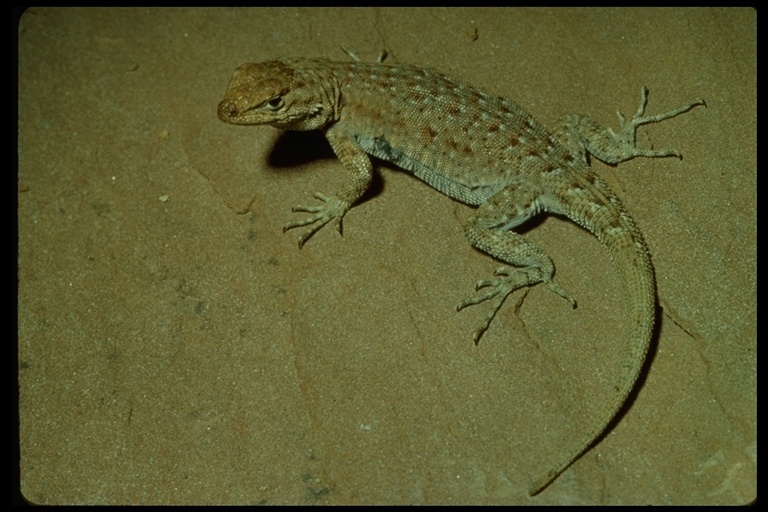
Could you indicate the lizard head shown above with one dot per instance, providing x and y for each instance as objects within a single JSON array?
[{"x": 278, "y": 94}]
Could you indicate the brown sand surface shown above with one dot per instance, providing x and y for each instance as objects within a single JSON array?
[{"x": 174, "y": 347}]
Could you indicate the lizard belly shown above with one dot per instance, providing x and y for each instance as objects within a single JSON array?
[{"x": 466, "y": 193}]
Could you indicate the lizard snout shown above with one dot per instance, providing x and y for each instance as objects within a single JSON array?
[{"x": 228, "y": 111}]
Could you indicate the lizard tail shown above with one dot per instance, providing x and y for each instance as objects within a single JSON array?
[{"x": 630, "y": 258}]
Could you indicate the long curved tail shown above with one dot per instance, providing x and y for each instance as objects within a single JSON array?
[{"x": 630, "y": 257}]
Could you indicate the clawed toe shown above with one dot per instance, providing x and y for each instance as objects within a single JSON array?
[
  {"x": 499, "y": 288},
  {"x": 332, "y": 209}
]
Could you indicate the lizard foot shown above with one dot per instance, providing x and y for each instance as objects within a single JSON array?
[
  {"x": 333, "y": 209},
  {"x": 499, "y": 288},
  {"x": 626, "y": 136}
]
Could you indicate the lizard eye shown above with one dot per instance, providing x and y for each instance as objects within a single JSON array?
[{"x": 274, "y": 103}]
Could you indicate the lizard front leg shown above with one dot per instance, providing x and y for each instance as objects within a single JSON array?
[
  {"x": 358, "y": 170},
  {"x": 489, "y": 230}
]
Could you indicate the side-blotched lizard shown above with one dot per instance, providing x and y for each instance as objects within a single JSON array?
[{"x": 479, "y": 149}]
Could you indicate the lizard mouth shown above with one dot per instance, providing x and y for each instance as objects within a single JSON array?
[{"x": 239, "y": 111}]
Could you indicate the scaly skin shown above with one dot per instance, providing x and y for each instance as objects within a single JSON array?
[{"x": 479, "y": 149}]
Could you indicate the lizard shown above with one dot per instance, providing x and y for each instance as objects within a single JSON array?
[{"x": 479, "y": 149}]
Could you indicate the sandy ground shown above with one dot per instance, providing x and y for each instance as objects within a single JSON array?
[{"x": 175, "y": 347}]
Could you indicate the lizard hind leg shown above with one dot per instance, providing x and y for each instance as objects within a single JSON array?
[
  {"x": 581, "y": 135},
  {"x": 489, "y": 230}
]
